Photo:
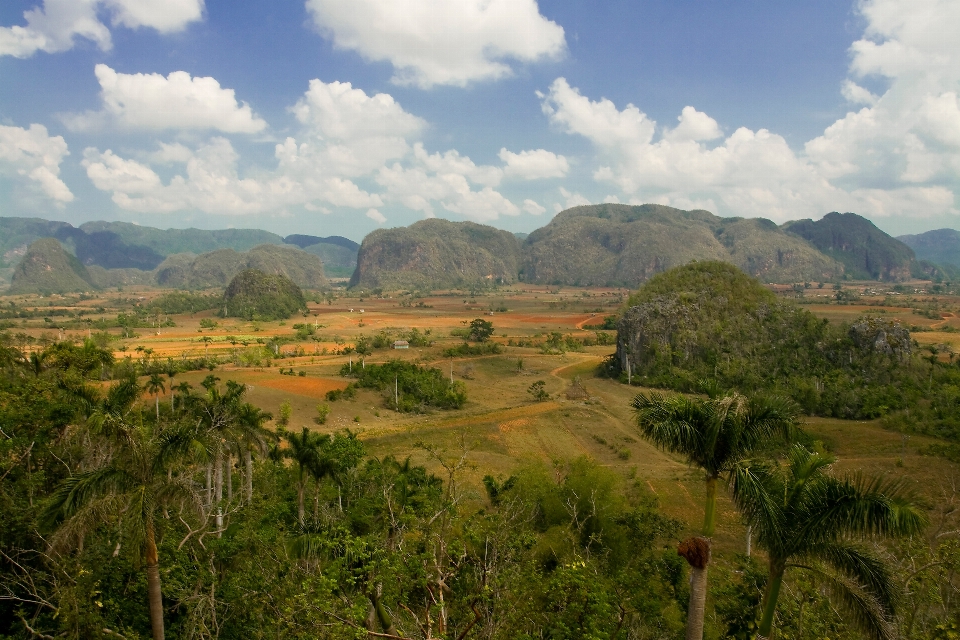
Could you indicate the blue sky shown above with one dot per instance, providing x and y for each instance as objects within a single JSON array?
[{"x": 339, "y": 117}]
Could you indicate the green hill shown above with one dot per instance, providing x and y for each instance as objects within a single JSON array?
[
  {"x": 710, "y": 321},
  {"x": 437, "y": 254},
  {"x": 255, "y": 295},
  {"x": 621, "y": 245},
  {"x": 170, "y": 241},
  {"x": 867, "y": 252},
  {"x": 940, "y": 246},
  {"x": 217, "y": 268},
  {"x": 47, "y": 268}
]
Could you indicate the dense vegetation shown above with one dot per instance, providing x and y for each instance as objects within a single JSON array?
[
  {"x": 255, "y": 295},
  {"x": 409, "y": 387},
  {"x": 242, "y": 538},
  {"x": 710, "y": 320}
]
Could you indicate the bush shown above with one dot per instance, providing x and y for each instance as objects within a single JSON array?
[
  {"x": 323, "y": 410},
  {"x": 410, "y": 387},
  {"x": 465, "y": 349}
]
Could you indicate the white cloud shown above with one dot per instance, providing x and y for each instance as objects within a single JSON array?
[
  {"x": 376, "y": 216},
  {"x": 532, "y": 165},
  {"x": 533, "y": 207},
  {"x": 573, "y": 199},
  {"x": 153, "y": 102},
  {"x": 211, "y": 184},
  {"x": 35, "y": 155},
  {"x": 694, "y": 125},
  {"x": 441, "y": 42},
  {"x": 54, "y": 26},
  {"x": 855, "y": 94}
]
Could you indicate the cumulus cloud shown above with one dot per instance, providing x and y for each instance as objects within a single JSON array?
[
  {"x": 35, "y": 155},
  {"x": 532, "y": 165},
  {"x": 533, "y": 207},
  {"x": 346, "y": 136},
  {"x": 694, "y": 125},
  {"x": 441, "y": 42},
  {"x": 54, "y": 26},
  {"x": 376, "y": 216},
  {"x": 153, "y": 102}
]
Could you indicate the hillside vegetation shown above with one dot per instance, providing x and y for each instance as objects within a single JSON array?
[
  {"x": 47, "y": 268},
  {"x": 217, "y": 268},
  {"x": 436, "y": 253},
  {"x": 621, "y": 245},
  {"x": 255, "y": 295},
  {"x": 710, "y": 320},
  {"x": 940, "y": 246}
]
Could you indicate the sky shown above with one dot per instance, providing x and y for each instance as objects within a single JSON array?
[{"x": 338, "y": 117}]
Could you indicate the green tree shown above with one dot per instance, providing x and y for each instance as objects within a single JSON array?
[
  {"x": 713, "y": 434},
  {"x": 130, "y": 486},
  {"x": 305, "y": 451},
  {"x": 481, "y": 330},
  {"x": 806, "y": 519}
]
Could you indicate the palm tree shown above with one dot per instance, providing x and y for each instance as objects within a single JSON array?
[
  {"x": 714, "y": 434},
  {"x": 250, "y": 420},
  {"x": 155, "y": 386},
  {"x": 806, "y": 519},
  {"x": 130, "y": 486},
  {"x": 306, "y": 450}
]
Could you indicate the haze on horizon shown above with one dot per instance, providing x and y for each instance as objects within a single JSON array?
[{"x": 329, "y": 117}]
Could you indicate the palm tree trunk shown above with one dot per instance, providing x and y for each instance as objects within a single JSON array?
[
  {"x": 158, "y": 407},
  {"x": 229, "y": 465},
  {"x": 770, "y": 600},
  {"x": 698, "y": 601},
  {"x": 696, "y": 551},
  {"x": 154, "y": 593},
  {"x": 218, "y": 486},
  {"x": 248, "y": 463},
  {"x": 300, "y": 501},
  {"x": 209, "y": 486}
]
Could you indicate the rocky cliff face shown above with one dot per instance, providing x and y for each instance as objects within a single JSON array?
[
  {"x": 613, "y": 244},
  {"x": 436, "y": 254}
]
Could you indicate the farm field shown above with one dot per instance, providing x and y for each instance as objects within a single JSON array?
[{"x": 502, "y": 426}]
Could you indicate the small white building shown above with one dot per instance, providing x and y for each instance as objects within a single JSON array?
[{"x": 401, "y": 344}]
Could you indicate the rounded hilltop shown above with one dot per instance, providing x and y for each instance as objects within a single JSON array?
[{"x": 255, "y": 295}]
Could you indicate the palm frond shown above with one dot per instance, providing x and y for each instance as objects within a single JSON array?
[
  {"x": 862, "y": 608},
  {"x": 864, "y": 568},
  {"x": 755, "y": 492}
]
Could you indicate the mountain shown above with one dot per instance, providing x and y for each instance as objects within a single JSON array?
[
  {"x": 47, "y": 268},
  {"x": 217, "y": 268},
  {"x": 866, "y": 252},
  {"x": 940, "y": 246},
  {"x": 303, "y": 241},
  {"x": 170, "y": 241},
  {"x": 438, "y": 254},
  {"x": 621, "y": 245}
]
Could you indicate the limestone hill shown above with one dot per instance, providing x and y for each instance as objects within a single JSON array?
[
  {"x": 940, "y": 246},
  {"x": 255, "y": 295},
  {"x": 217, "y": 268},
  {"x": 46, "y": 268},
  {"x": 438, "y": 254},
  {"x": 615, "y": 244},
  {"x": 865, "y": 251}
]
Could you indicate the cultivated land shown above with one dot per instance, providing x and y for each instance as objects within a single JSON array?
[{"x": 501, "y": 426}]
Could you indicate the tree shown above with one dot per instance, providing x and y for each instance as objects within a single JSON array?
[
  {"x": 130, "y": 486},
  {"x": 714, "y": 434},
  {"x": 250, "y": 422},
  {"x": 806, "y": 519},
  {"x": 305, "y": 451},
  {"x": 481, "y": 330},
  {"x": 538, "y": 391},
  {"x": 155, "y": 386}
]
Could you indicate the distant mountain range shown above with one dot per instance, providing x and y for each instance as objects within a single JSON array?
[{"x": 607, "y": 244}]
